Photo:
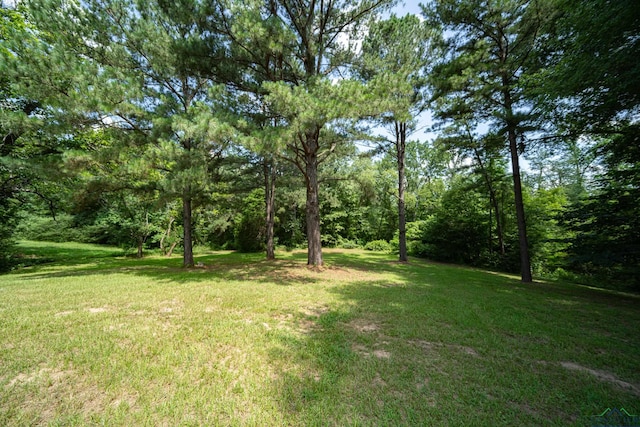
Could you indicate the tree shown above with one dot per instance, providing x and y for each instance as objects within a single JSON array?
[
  {"x": 399, "y": 51},
  {"x": 485, "y": 154},
  {"x": 142, "y": 81},
  {"x": 493, "y": 47},
  {"x": 114, "y": 188},
  {"x": 30, "y": 148},
  {"x": 592, "y": 84},
  {"x": 591, "y": 92},
  {"x": 305, "y": 96},
  {"x": 606, "y": 224}
]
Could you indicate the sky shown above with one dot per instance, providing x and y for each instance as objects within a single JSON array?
[{"x": 407, "y": 6}]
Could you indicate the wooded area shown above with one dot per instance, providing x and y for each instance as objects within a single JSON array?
[{"x": 254, "y": 124}]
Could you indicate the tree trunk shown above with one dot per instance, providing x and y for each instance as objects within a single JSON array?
[
  {"x": 165, "y": 235},
  {"x": 494, "y": 201},
  {"x": 314, "y": 253},
  {"x": 171, "y": 248},
  {"x": 401, "y": 144},
  {"x": 525, "y": 262},
  {"x": 140, "y": 243},
  {"x": 188, "y": 240},
  {"x": 269, "y": 196}
]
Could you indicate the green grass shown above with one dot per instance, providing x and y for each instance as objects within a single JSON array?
[{"x": 95, "y": 338}]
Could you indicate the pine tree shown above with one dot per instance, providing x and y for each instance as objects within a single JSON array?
[
  {"x": 493, "y": 48},
  {"x": 141, "y": 80}
]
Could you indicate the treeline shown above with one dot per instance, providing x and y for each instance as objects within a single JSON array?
[{"x": 252, "y": 125}]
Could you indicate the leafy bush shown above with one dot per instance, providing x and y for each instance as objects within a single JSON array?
[
  {"x": 49, "y": 229},
  {"x": 347, "y": 244},
  {"x": 249, "y": 229},
  {"x": 420, "y": 249},
  {"x": 379, "y": 246}
]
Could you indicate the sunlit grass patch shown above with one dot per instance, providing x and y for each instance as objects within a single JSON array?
[{"x": 106, "y": 339}]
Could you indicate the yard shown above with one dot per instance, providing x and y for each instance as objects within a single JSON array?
[{"x": 95, "y": 338}]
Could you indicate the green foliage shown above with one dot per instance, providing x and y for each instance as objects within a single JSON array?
[
  {"x": 113, "y": 113},
  {"x": 593, "y": 82},
  {"x": 249, "y": 231},
  {"x": 62, "y": 228},
  {"x": 458, "y": 230},
  {"x": 347, "y": 244},
  {"x": 607, "y": 224},
  {"x": 7, "y": 221},
  {"x": 379, "y": 246},
  {"x": 547, "y": 237}
]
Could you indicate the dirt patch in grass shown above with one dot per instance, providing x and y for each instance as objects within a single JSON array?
[
  {"x": 314, "y": 311},
  {"x": 363, "y": 326},
  {"x": 306, "y": 326},
  {"x": 604, "y": 376},
  {"x": 364, "y": 352},
  {"x": 378, "y": 381},
  {"x": 95, "y": 310},
  {"x": 63, "y": 313},
  {"x": 360, "y": 350},
  {"x": 309, "y": 322},
  {"x": 47, "y": 391},
  {"x": 382, "y": 354}
]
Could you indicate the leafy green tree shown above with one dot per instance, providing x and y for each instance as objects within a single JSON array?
[
  {"x": 399, "y": 51},
  {"x": 142, "y": 81},
  {"x": 457, "y": 230},
  {"x": 250, "y": 227},
  {"x": 485, "y": 154},
  {"x": 30, "y": 148},
  {"x": 493, "y": 47},
  {"x": 591, "y": 92},
  {"x": 592, "y": 84},
  {"x": 606, "y": 224},
  {"x": 305, "y": 97},
  {"x": 115, "y": 190}
]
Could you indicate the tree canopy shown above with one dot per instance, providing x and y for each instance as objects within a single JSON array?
[{"x": 166, "y": 125}]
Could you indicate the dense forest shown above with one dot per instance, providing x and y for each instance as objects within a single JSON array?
[{"x": 498, "y": 134}]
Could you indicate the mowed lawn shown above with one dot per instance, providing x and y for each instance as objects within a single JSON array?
[{"x": 95, "y": 338}]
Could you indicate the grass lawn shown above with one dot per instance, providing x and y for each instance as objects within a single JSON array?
[{"x": 94, "y": 338}]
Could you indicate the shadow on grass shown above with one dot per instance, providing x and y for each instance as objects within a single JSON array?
[
  {"x": 423, "y": 343},
  {"x": 454, "y": 346},
  {"x": 226, "y": 266}
]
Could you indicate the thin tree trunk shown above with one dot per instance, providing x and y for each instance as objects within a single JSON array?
[
  {"x": 188, "y": 240},
  {"x": 171, "y": 248},
  {"x": 494, "y": 201},
  {"x": 314, "y": 253},
  {"x": 165, "y": 235},
  {"x": 401, "y": 144},
  {"x": 270, "y": 191},
  {"x": 490, "y": 230},
  {"x": 525, "y": 262}
]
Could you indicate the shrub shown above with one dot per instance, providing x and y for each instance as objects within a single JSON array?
[
  {"x": 60, "y": 229},
  {"x": 378, "y": 246},
  {"x": 347, "y": 244},
  {"x": 249, "y": 230}
]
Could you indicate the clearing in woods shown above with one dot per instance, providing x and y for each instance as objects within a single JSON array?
[{"x": 92, "y": 337}]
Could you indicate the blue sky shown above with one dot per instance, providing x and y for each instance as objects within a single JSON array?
[{"x": 408, "y": 6}]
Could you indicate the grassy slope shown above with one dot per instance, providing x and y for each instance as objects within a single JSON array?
[{"x": 94, "y": 338}]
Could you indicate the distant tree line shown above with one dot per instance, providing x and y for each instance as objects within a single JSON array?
[{"x": 274, "y": 123}]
